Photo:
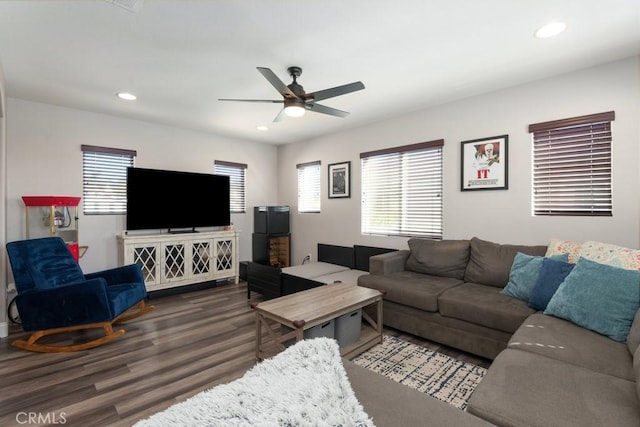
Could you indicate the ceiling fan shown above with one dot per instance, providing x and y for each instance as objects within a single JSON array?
[{"x": 296, "y": 101}]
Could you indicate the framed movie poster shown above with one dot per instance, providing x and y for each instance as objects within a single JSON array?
[
  {"x": 484, "y": 164},
  {"x": 340, "y": 180}
]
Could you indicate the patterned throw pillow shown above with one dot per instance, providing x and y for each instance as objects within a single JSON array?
[
  {"x": 615, "y": 256},
  {"x": 558, "y": 246}
]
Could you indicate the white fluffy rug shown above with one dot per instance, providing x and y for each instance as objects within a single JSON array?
[{"x": 305, "y": 385}]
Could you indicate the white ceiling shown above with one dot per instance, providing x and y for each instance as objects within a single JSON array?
[{"x": 180, "y": 56}]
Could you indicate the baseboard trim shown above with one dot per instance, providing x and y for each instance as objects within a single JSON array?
[
  {"x": 4, "y": 329},
  {"x": 182, "y": 289}
]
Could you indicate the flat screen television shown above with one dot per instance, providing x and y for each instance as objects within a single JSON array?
[{"x": 177, "y": 201}]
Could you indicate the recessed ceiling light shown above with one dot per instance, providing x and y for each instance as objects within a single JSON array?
[
  {"x": 551, "y": 29},
  {"x": 262, "y": 128},
  {"x": 127, "y": 96}
]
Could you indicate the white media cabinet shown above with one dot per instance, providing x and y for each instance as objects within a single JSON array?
[{"x": 172, "y": 260}]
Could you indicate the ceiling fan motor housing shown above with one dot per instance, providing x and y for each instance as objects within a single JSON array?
[
  {"x": 294, "y": 72},
  {"x": 296, "y": 88}
]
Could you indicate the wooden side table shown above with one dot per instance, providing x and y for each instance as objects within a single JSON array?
[{"x": 306, "y": 309}]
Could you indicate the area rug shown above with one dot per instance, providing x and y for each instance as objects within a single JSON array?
[
  {"x": 436, "y": 374},
  {"x": 305, "y": 385}
]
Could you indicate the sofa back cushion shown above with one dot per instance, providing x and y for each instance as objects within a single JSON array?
[
  {"x": 444, "y": 258},
  {"x": 490, "y": 263}
]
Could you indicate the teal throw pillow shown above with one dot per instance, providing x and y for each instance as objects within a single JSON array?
[
  {"x": 552, "y": 273},
  {"x": 524, "y": 273},
  {"x": 598, "y": 297}
]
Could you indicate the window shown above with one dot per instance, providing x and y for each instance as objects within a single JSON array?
[
  {"x": 309, "y": 187},
  {"x": 237, "y": 173},
  {"x": 104, "y": 179},
  {"x": 402, "y": 191},
  {"x": 572, "y": 166}
]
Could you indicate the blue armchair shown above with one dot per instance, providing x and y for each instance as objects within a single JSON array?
[{"x": 55, "y": 296}]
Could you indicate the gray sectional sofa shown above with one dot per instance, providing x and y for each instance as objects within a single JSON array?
[
  {"x": 449, "y": 291},
  {"x": 546, "y": 371}
]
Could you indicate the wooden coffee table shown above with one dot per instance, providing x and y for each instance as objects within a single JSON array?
[{"x": 306, "y": 309}]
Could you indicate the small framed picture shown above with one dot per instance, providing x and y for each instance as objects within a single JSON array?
[
  {"x": 340, "y": 180},
  {"x": 484, "y": 164}
]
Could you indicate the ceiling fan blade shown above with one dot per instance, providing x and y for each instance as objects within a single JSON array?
[
  {"x": 276, "y": 82},
  {"x": 272, "y": 101},
  {"x": 281, "y": 115},
  {"x": 335, "y": 91},
  {"x": 317, "y": 108}
]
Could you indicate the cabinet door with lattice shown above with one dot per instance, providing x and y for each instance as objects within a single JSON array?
[
  {"x": 147, "y": 256},
  {"x": 174, "y": 261},
  {"x": 224, "y": 255},
  {"x": 201, "y": 259}
]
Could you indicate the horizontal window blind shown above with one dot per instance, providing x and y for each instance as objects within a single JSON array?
[
  {"x": 104, "y": 179},
  {"x": 237, "y": 173},
  {"x": 572, "y": 166},
  {"x": 402, "y": 191},
  {"x": 309, "y": 187}
]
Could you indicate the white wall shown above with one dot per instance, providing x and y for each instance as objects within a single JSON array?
[
  {"x": 4, "y": 321},
  {"x": 499, "y": 215},
  {"x": 44, "y": 158}
]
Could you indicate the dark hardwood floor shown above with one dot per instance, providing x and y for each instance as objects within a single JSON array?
[{"x": 190, "y": 343}]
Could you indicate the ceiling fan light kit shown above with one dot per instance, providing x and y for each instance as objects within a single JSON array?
[
  {"x": 296, "y": 101},
  {"x": 294, "y": 111}
]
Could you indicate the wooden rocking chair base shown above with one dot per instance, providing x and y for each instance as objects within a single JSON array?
[{"x": 109, "y": 334}]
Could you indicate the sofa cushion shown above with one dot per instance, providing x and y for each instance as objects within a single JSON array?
[
  {"x": 524, "y": 273},
  {"x": 636, "y": 369},
  {"x": 446, "y": 258},
  {"x": 633, "y": 339},
  {"x": 563, "y": 340},
  {"x": 390, "y": 403},
  {"x": 551, "y": 274},
  {"x": 598, "y": 297},
  {"x": 485, "y": 306},
  {"x": 490, "y": 263},
  {"x": 409, "y": 288},
  {"x": 559, "y": 246},
  {"x": 526, "y": 389}
]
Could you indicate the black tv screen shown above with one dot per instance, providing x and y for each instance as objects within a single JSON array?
[{"x": 164, "y": 199}]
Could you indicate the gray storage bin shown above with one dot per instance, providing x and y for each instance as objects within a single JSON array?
[
  {"x": 348, "y": 328},
  {"x": 326, "y": 329}
]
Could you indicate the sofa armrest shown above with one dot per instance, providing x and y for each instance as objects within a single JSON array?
[
  {"x": 391, "y": 262},
  {"x": 130, "y": 273}
]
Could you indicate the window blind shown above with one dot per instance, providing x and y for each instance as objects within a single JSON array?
[
  {"x": 104, "y": 179},
  {"x": 572, "y": 166},
  {"x": 309, "y": 187},
  {"x": 402, "y": 191},
  {"x": 237, "y": 173}
]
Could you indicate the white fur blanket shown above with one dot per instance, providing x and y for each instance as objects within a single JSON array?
[{"x": 305, "y": 385}]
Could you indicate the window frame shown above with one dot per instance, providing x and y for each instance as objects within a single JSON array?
[
  {"x": 237, "y": 190},
  {"x": 571, "y": 166},
  {"x": 309, "y": 203},
  {"x": 417, "y": 205},
  {"x": 105, "y": 193}
]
